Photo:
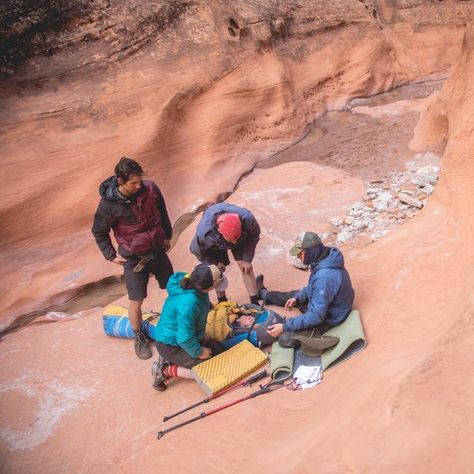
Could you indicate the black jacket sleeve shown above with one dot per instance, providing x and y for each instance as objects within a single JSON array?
[
  {"x": 165, "y": 220},
  {"x": 103, "y": 220}
]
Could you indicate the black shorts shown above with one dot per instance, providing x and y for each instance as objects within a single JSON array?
[
  {"x": 221, "y": 255},
  {"x": 177, "y": 356},
  {"x": 137, "y": 282}
]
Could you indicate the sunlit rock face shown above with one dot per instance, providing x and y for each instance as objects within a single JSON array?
[{"x": 199, "y": 93}]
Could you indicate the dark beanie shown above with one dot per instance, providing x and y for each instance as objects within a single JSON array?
[
  {"x": 202, "y": 276},
  {"x": 313, "y": 253}
]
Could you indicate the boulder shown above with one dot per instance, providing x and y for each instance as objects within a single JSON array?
[{"x": 410, "y": 200}]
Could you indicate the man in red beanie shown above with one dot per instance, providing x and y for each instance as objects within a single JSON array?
[{"x": 226, "y": 227}]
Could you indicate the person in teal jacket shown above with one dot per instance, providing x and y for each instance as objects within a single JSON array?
[{"x": 180, "y": 333}]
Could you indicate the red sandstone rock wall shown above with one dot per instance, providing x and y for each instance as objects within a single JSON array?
[
  {"x": 197, "y": 92},
  {"x": 401, "y": 405},
  {"x": 73, "y": 398}
]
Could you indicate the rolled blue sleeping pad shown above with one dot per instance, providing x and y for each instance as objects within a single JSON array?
[{"x": 117, "y": 326}]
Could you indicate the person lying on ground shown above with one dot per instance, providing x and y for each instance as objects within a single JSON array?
[
  {"x": 327, "y": 299},
  {"x": 226, "y": 227},
  {"x": 180, "y": 332},
  {"x": 136, "y": 212}
]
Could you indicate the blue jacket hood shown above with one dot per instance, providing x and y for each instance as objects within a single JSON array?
[
  {"x": 328, "y": 297},
  {"x": 335, "y": 259}
]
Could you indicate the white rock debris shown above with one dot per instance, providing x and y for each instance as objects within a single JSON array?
[{"x": 389, "y": 201}]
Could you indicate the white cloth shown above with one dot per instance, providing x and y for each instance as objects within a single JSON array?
[{"x": 307, "y": 376}]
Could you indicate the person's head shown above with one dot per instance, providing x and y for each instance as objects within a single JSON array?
[
  {"x": 129, "y": 176},
  {"x": 229, "y": 226},
  {"x": 308, "y": 246},
  {"x": 203, "y": 278}
]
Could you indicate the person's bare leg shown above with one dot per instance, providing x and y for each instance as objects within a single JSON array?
[
  {"x": 248, "y": 277},
  {"x": 185, "y": 373},
  {"x": 250, "y": 283},
  {"x": 135, "y": 314}
]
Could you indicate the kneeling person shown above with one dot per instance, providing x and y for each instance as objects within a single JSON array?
[
  {"x": 327, "y": 299},
  {"x": 180, "y": 332}
]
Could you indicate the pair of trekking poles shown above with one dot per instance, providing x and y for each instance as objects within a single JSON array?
[{"x": 246, "y": 383}]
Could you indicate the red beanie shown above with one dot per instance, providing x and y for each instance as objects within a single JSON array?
[{"x": 229, "y": 226}]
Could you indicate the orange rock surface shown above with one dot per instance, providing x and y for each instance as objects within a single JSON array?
[{"x": 199, "y": 106}]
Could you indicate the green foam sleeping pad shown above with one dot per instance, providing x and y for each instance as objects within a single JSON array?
[
  {"x": 281, "y": 366},
  {"x": 351, "y": 340}
]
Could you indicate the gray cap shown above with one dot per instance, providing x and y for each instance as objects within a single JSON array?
[{"x": 305, "y": 240}]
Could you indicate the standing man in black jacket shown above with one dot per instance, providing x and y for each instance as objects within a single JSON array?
[{"x": 136, "y": 212}]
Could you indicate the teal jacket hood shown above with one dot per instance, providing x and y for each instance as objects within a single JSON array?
[{"x": 174, "y": 287}]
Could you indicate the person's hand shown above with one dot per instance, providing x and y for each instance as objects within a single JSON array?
[
  {"x": 275, "y": 330},
  {"x": 166, "y": 245},
  {"x": 205, "y": 353},
  {"x": 290, "y": 303},
  {"x": 221, "y": 267},
  {"x": 118, "y": 260},
  {"x": 245, "y": 267}
]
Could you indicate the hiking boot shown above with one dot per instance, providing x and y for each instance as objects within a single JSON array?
[
  {"x": 158, "y": 379},
  {"x": 260, "y": 286},
  {"x": 141, "y": 346}
]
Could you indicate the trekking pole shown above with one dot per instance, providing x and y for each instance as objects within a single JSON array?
[
  {"x": 260, "y": 391},
  {"x": 245, "y": 383}
]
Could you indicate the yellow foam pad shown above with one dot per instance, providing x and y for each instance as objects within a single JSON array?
[
  {"x": 115, "y": 311},
  {"x": 123, "y": 312},
  {"x": 228, "y": 368}
]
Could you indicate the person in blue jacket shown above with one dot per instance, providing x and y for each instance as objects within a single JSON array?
[
  {"x": 327, "y": 299},
  {"x": 226, "y": 227},
  {"x": 180, "y": 332}
]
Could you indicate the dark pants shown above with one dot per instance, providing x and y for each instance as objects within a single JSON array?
[
  {"x": 279, "y": 298},
  {"x": 177, "y": 356},
  {"x": 137, "y": 282}
]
